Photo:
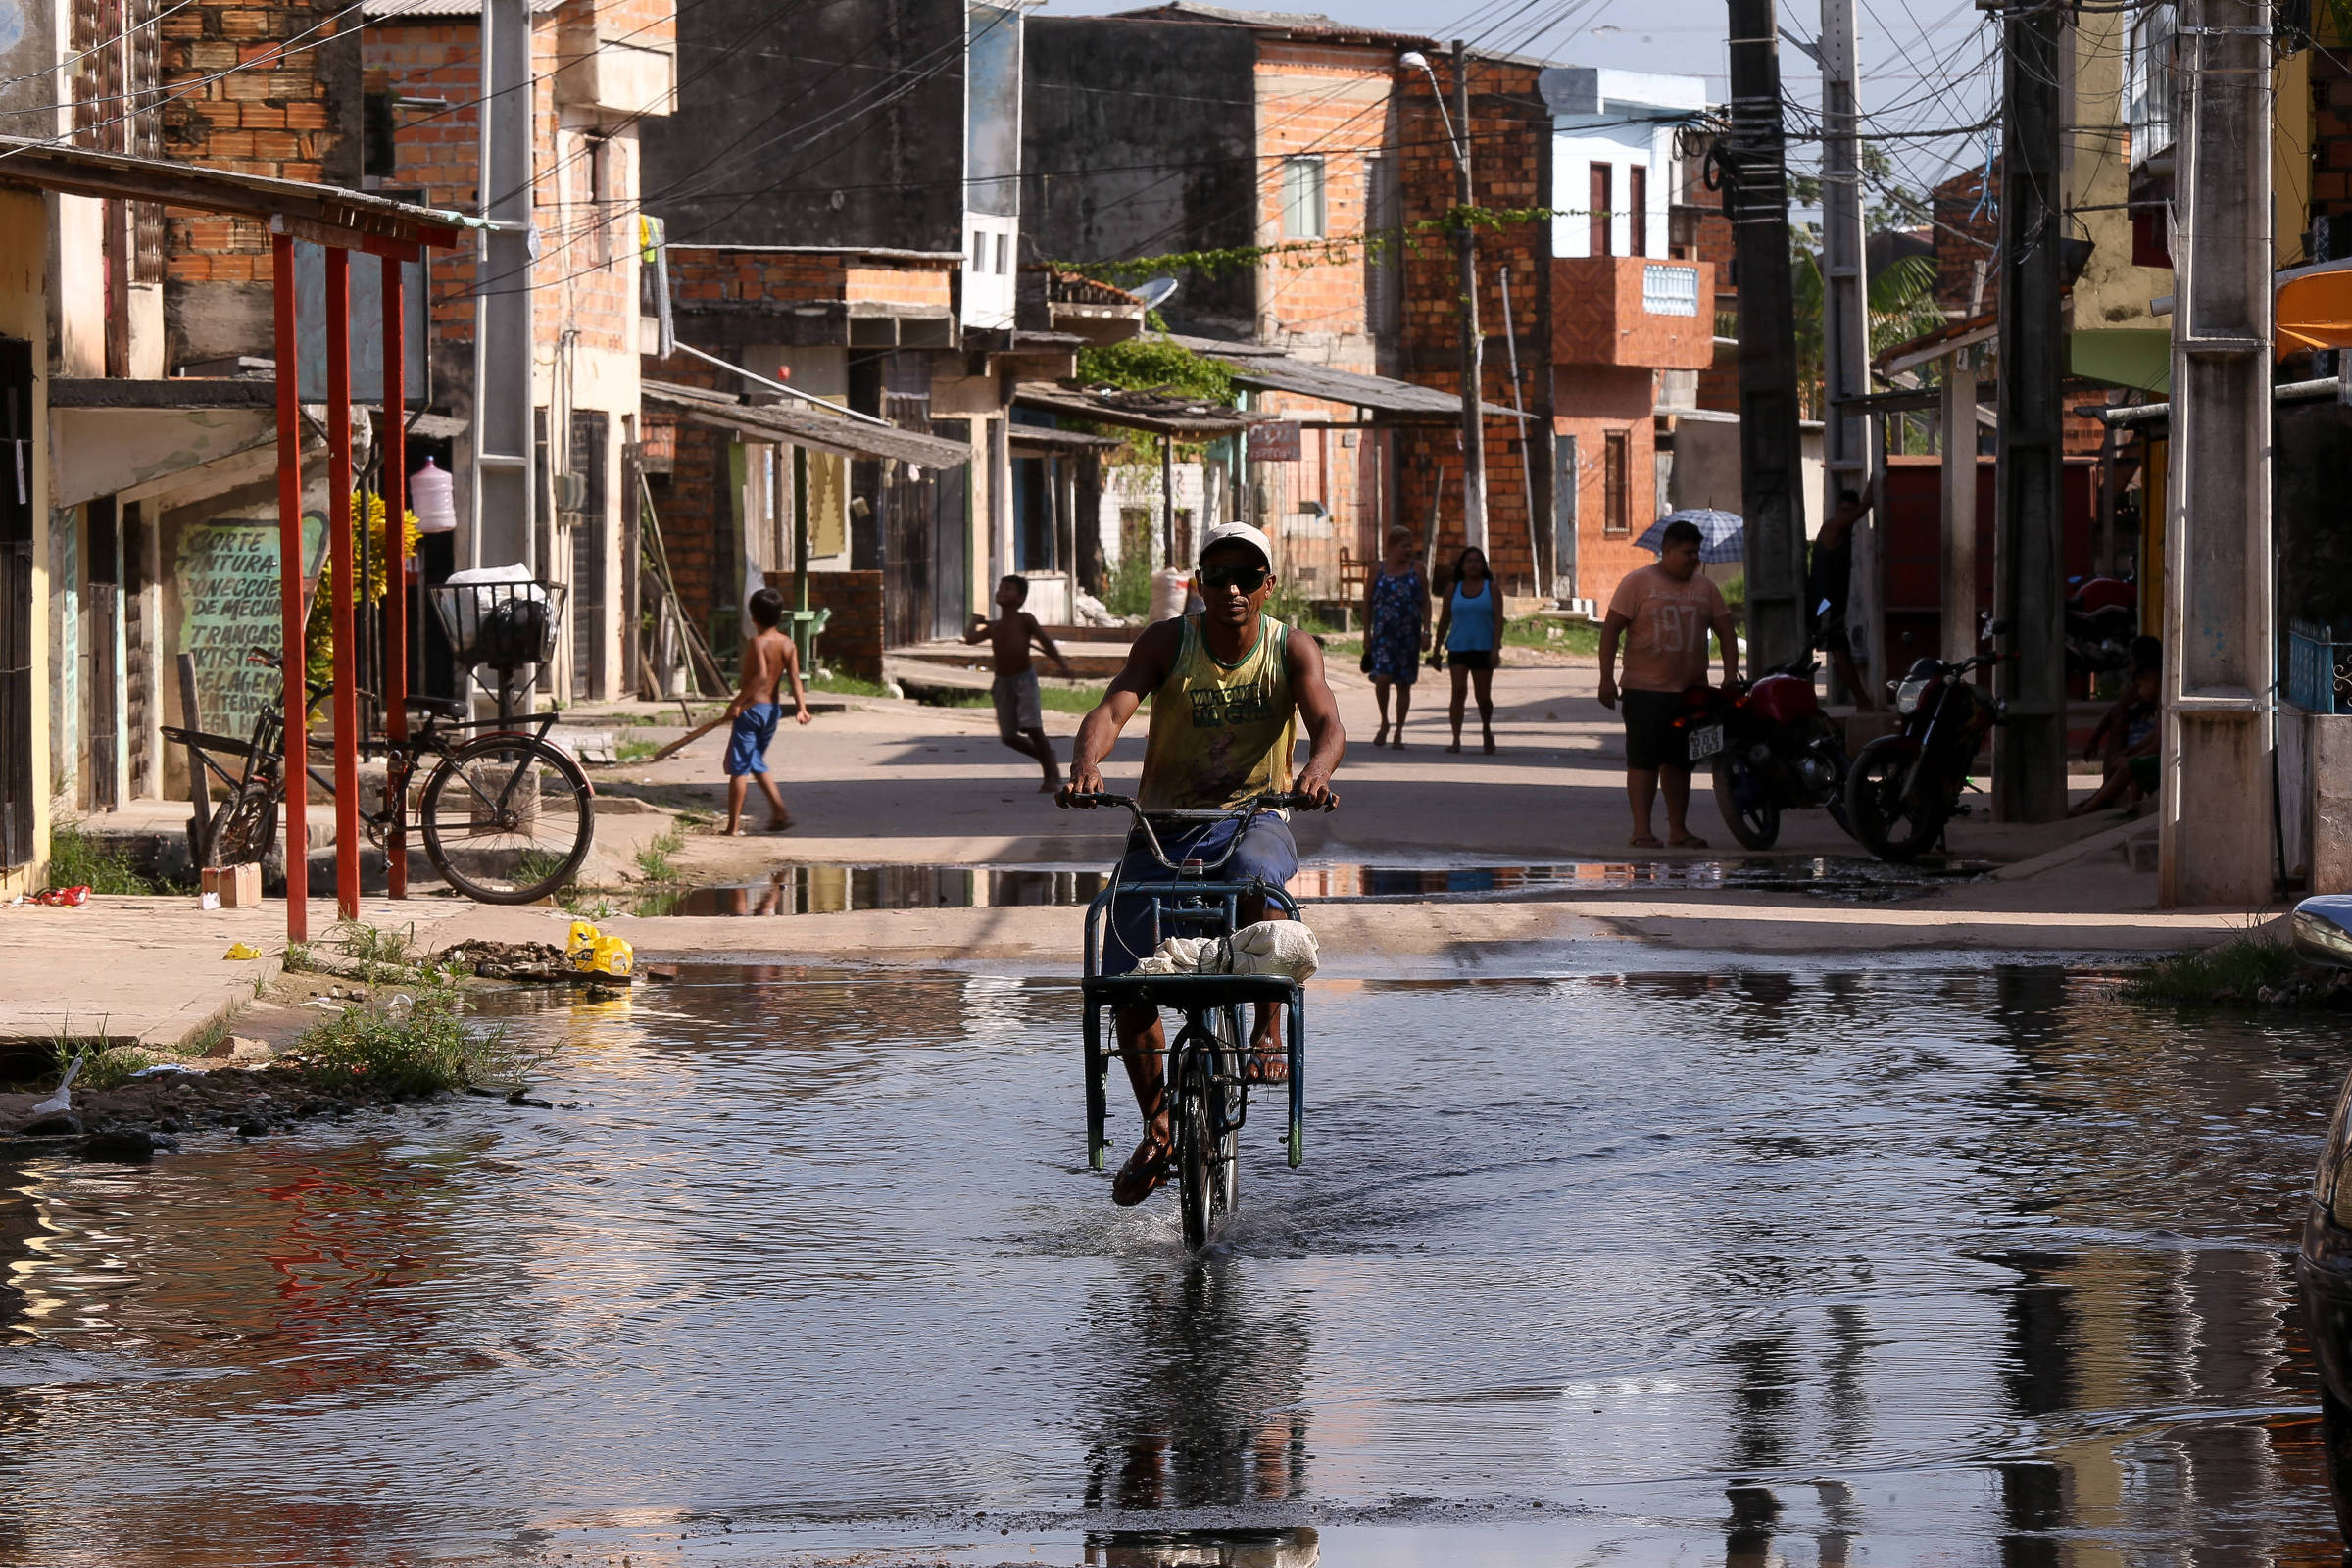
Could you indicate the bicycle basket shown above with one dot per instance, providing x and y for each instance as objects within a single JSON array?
[{"x": 501, "y": 625}]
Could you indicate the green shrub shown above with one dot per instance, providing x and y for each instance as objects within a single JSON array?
[
  {"x": 413, "y": 1043},
  {"x": 653, "y": 862},
  {"x": 2235, "y": 972},
  {"x": 1129, "y": 589}
]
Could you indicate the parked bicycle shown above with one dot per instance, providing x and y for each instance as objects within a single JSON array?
[
  {"x": 507, "y": 815},
  {"x": 1204, "y": 1078}
]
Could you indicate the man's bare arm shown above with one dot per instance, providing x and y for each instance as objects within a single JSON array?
[
  {"x": 1326, "y": 740},
  {"x": 1147, "y": 670},
  {"x": 1727, "y": 633},
  {"x": 1612, "y": 630}
]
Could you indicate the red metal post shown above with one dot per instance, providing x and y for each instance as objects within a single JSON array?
[
  {"x": 339, "y": 516},
  {"x": 395, "y": 487},
  {"x": 290, "y": 585}
]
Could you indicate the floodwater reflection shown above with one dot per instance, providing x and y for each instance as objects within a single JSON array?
[{"x": 1779, "y": 1265}]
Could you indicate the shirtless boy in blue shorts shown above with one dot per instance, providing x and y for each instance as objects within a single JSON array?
[{"x": 768, "y": 659}]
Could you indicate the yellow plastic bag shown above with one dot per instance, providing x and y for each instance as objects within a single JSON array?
[
  {"x": 613, "y": 958},
  {"x": 580, "y": 943},
  {"x": 241, "y": 951}
]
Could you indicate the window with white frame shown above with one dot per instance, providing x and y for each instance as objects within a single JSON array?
[
  {"x": 1670, "y": 290},
  {"x": 1302, "y": 198}
]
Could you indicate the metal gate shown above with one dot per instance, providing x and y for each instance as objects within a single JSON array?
[
  {"x": 951, "y": 535},
  {"x": 16, "y": 608},
  {"x": 909, "y": 510},
  {"x": 590, "y": 430},
  {"x": 101, "y": 613}
]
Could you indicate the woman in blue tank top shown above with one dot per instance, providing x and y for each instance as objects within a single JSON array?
[{"x": 1470, "y": 632}]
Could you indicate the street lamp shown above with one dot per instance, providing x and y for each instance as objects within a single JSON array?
[{"x": 1465, "y": 243}]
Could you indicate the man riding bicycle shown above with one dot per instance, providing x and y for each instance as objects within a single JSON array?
[{"x": 1228, "y": 688}]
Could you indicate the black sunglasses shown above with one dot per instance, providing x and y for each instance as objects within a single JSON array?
[{"x": 1247, "y": 578}]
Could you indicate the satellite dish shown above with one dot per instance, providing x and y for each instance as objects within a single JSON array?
[{"x": 1156, "y": 292}]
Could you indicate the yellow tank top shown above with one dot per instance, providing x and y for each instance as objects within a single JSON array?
[{"x": 1220, "y": 733}]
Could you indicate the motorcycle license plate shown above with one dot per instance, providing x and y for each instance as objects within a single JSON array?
[{"x": 1705, "y": 741}]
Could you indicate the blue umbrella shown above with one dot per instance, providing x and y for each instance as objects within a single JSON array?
[{"x": 1720, "y": 535}]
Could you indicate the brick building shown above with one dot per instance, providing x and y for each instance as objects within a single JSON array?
[
  {"x": 1268, "y": 147},
  {"x": 1606, "y": 304},
  {"x": 604, "y": 74},
  {"x": 880, "y": 271}
]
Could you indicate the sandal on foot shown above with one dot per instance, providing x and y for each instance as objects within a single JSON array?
[
  {"x": 1143, "y": 1173},
  {"x": 1489, "y": 745},
  {"x": 1689, "y": 841},
  {"x": 1382, "y": 737},
  {"x": 1645, "y": 842},
  {"x": 1270, "y": 1064}
]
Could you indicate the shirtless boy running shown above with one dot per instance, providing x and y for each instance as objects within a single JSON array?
[
  {"x": 1020, "y": 712},
  {"x": 768, "y": 659}
]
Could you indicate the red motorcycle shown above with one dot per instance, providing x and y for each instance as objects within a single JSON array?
[
  {"x": 1904, "y": 787},
  {"x": 1771, "y": 750}
]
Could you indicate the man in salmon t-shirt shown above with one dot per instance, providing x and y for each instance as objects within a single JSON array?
[{"x": 1662, "y": 614}]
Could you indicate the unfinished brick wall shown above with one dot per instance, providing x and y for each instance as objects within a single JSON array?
[
  {"x": 259, "y": 90},
  {"x": 1510, "y": 134},
  {"x": 852, "y": 638},
  {"x": 585, "y": 198}
]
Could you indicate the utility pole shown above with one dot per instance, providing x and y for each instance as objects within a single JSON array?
[
  {"x": 2029, "y": 555},
  {"x": 1465, "y": 240},
  {"x": 1846, "y": 318},
  {"x": 1771, "y": 473},
  {"x": 2215, "y": 834},
  {"x": 505, "y": 505},
  {"x": 1959, "y": 639}
]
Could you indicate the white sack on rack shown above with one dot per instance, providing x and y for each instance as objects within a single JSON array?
[{"x": 1286, "y": 948}]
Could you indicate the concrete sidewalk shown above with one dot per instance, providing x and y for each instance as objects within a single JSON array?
[{"x": 155, "y": 972}]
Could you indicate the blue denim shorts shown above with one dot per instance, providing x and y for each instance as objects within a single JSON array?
[
  {"x": 1266, "y": 853},
  {"x": 747, "y": 742}
]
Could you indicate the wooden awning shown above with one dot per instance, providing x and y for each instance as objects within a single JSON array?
[{"x": 327, "y": 215}]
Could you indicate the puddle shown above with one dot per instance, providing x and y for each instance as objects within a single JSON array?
[
  {"x": 833, "y": 889},
  {"x": 1787, "y": 1265}
]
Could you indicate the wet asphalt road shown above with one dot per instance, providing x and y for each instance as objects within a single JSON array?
[{"x": 1789, "y": 1264}]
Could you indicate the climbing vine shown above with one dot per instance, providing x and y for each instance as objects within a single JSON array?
[{"x": 1334, "y": 250}]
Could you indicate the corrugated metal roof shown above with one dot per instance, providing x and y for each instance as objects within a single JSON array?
[
  {"x": 1264, "y": 370},
  {"x": 799, "y": 424},
  {"x": 1156, "y": 411}
]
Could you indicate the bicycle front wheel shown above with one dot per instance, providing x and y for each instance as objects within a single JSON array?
[
  {"x": 508, "y": 819},
  {"x": 1196, "y": 1157}
]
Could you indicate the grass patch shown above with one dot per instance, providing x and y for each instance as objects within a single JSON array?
[
  {"x": 80, "y": 859},
  {"x": 635, "y": 751},
  {"x": 103, "y": 1065},
  {"x": 1544, "y": 631},
  {"x": 411, "y": 1042},
  {"x": 535, "y": 865},
  {"x": 2234, "y": 974},
  {"x": 653, "y": 862},
  {"x": 298, "y": 959},
  {"x": 841, "y": 685}
]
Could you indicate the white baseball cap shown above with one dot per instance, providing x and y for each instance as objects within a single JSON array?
[{"x": 1238, "y": 532}]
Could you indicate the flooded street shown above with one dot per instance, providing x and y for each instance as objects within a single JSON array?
[{"x": 1791, "y": 1264}]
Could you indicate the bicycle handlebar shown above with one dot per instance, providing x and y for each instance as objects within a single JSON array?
[{"x": 1272, "y": 801}]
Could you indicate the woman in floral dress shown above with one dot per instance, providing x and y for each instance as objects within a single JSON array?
[{"x": 1395, "y": 628}]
